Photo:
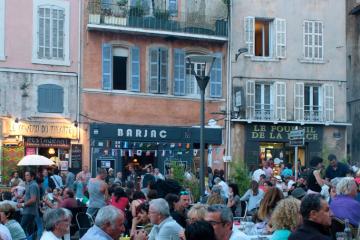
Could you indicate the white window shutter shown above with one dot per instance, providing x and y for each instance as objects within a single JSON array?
[
  {"x": 318, "y": 40},
  {"x": 299, "y": 102},
  {"x": 250, "y": 35},
  {"x": 250, "y": 99},
  {"x": 308, "y": 39},
  {"x": 280, "y": 27},
  {"x": 328, "y": 103},
  {"x": 280, "y": 110}
]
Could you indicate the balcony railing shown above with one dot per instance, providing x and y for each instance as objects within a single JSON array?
[
  {"x": 264, "y": 112},
  {"x": 155, "y": 19},
  {"x": 313, "y": 113}
]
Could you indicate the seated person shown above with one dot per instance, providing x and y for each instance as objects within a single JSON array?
[
  {"x": 142, "y": 219},
  {"x": 344, "y": 205},
  {"x": 268, "y": 204},
  {"x": 254, "y": 196}
]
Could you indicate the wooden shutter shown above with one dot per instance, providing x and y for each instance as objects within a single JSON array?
[
  {"x": 163, "y": 70},
  {"x": 329, "y": 103},
  {"x": 250, "y": 99},
  {"x": 250, "y": 35},
  {"x": 299, "y": 102},
  {"x": 308, "y": 39},
  {"x": 154, "y": 70},
  {"x": 41, "y": 33},
  {"x": 50, "y": 98},
  {"x": 318, "y": 40},
  {"x": 179, "y": 72},
  {"x": 135, "y": 69},
  {"x": 106, "y": 66},
  {"x": 280, "y": 26},
  {"x": 280, "y": 109},
  {"x": 216, "y": 77}
]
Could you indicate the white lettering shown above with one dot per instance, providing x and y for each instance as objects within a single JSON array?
[
  {"x": 153, "y": 134},
  {"x": 163, "y": 134},
  {"x": 120, "y": 132},
  {"x": 137, "y": 133},
  {"x": 145, "y": 134},
  {"x": 129, "y": 133}
]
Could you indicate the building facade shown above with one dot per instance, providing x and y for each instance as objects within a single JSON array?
[
  {"x": 292, "y": 75},
  {"x": 137, "y": 81},
  {"x": 353, "y": 77},
  {"x": 39, "y": 65}
]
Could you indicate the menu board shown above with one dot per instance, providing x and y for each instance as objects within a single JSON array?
[{"x": 76, "y": 156}]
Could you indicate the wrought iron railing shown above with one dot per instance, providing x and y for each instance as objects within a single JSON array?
[
  {"x": 313, "y": 113},
  {"x": 156, "y": 19},
  {"x": 264, "y": 112}
]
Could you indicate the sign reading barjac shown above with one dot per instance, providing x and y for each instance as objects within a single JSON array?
[
  {"x": 40, "y": 129},
  {"x": 141, "y": 133},
  {"x": 280, "y": 132}
]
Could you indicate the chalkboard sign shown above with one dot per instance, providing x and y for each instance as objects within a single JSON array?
[{"x": 76, "y": 156}]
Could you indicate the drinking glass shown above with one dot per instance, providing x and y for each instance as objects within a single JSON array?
[{"x": 340, "y": 236}]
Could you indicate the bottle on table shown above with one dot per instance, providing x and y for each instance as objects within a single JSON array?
[{"x": 347, "y": 230}]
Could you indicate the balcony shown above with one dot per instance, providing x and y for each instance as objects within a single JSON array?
[
  {"x": 113, "y": 17},
  {"x": 264, "y": 112},
  {"x": 313, "y": 113}
]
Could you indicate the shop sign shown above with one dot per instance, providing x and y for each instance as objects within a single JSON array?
[
  {"x": 47, "y": 142},
  {"x": 281, "y": 133},
  {"x": 40, "y": 129}
]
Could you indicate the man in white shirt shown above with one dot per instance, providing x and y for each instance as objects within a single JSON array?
[
  {"x": 221, "y": 218},
  {"x": 57, "y": 224},
  {"x": 257, "y": 173},
  {"x": 224, "y": 187}
]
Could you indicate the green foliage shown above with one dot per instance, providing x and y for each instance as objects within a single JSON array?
[
  {"x": 137, "y": 10},
  {"x": 239, "y": 174},
  {"x": 95, "y": 7}
]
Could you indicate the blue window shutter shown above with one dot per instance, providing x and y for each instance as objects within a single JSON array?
[
  {"x": 216, "y": 77},
  {"x": 179, "y": 72},
  {"x": 50, "y": 98},
  {"x": 163, "y": 70},
  {"x": 154, "y": 70},
  {"x": 135, "y": 69},
  {"x": 173, "y": 7},
  {"x": 106, "y": 66}
]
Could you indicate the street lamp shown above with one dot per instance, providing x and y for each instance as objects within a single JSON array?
[{"x": 202, "y": 79}]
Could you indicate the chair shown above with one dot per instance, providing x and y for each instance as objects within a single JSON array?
[
  {"x": 244, "y": 207},
  {"x": 84, "y": 221}
]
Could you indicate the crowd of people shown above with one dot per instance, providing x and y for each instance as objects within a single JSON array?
[{"x": 147, "y": 206}]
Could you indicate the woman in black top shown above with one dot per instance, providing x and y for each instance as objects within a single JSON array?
[{"x": 314, "y": 180}]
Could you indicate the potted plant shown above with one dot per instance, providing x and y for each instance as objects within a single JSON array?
[
  {"x": 108, "y": 16},
  {"x": 94, "y": 11},
  {"x": 136, "y": 14},
  {"x": 120, "y": 13}
]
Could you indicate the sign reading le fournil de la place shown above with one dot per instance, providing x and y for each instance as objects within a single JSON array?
[
  {"x": 40, "y": 129},
  {"x": 262, "y": 132}
]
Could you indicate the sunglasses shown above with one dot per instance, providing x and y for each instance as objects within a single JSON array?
[{"x": 184, "y": 193}]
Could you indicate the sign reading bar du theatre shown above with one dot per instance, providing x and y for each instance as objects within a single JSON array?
[{"x": 40, "y": 129}]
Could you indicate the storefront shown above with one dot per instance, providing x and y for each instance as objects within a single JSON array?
[
  {"x": 118, "y": 146},
  {"x": 270, "y": 141},
  {"x": 55, "y": 140}
]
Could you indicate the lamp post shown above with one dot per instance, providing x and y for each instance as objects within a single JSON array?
[{"x": 202, "y": 79}]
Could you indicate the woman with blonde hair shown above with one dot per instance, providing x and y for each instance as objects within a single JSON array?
[
  {"x": 269, "y": 202},
  {"x": 285, "y": 218},
  {"x": 197, "y": 212}
]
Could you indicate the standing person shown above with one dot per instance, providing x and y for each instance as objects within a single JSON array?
[
  {"x": 257, "y": 173},
  {"x": 85, "y": 175},
  {"x": 110, "y": 178},
  {"x": 98, "y": 192},
  {"x": 316, "y": 219},
  {"x": 335, "y": 168},
  {"x": 119, "y": 179},
  {"x": 79, "y": 187},
  {"x": 224, "y": 187},
  {"x": 57, "y": 179},
  {"x": 158, "y": 175},
  {"x": 30, "y": 204},
  {"x": 132, "y": 177},
  {"x": 314, "y": 181},
  {"x": 70, "y": 179},
  {"x": 254, "y": 196}
]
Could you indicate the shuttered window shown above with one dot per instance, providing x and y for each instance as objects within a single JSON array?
[
  {"x": 280, "y": 26},
  {"x": 158, "y": 62},
  {"x": 216, "y": 77},
  {"x": 51, "y": 32},
  {"x": 50, "y": 98},
  {"x": 299, "y": 102},
  {"x": 250, "y": 35},
  {"x": 250, "y": 99},
  {"x": 280, "y": 111},
  {"x": 135, "y": 69},
  {"x": 179, "y": 72},
  {"x": 313, "y": 40},
  {"x": 173, "y": 7},
  {"x": 329, "y": 103}
]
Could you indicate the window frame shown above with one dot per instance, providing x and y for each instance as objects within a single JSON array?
[
  {"x": 159, "y": 64},
  {"x": 2, "y": 30},
  {"x": 66, "y": 48},
  {"x": 313, "y": 35},
  {"x": 52, "y": 96}
]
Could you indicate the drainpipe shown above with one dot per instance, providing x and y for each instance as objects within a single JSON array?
[
  {"x": 79, "y": 69},
  {"x": 229, "y": 91}
]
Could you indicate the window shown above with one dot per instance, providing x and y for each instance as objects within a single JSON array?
[
  {"x": 263, "y": 101},
  {"x": 50, "y": 98},
  {"x": 313, "y": 40},
  {"x": 2, "y": 29},
  {"x": 265, "y": 37},
  {"x": 51, "y": 32},
  {"x": 185, "y": 83},
  {"x": 312, "y": 103},
  {"x": 158, "y": 62},
  {"x": 115, "y": 64}
]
